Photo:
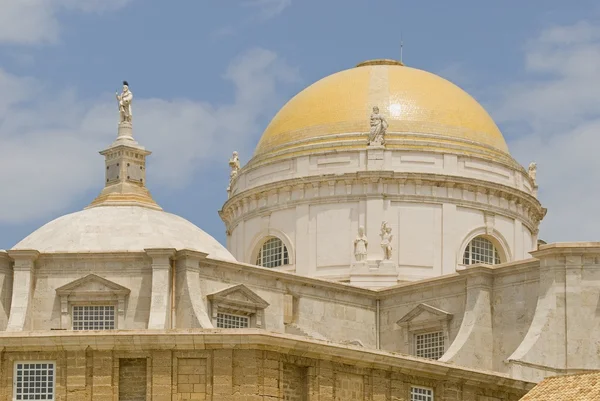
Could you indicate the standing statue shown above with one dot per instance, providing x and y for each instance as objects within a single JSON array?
[
  {"x": 234, "y": 164},
  {"x": 532, "y": 170},
  {"x": 124, "y": 100},
  {"x": 386, "y": 240},
  {"x": 360, "y": 245},
  {"x": 378, "y": 128}
]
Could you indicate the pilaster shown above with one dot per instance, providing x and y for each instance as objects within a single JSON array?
[
  {"x": 449, "y": 238},
  {"x": 302, "y": 240},
  {"x": 160, "y": 300},
  {"x": 23, "y": 284}
]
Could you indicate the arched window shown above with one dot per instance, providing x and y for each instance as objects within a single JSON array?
[
  {"x": 481, "y": 250},
  {"x": 273, "y": 253}
]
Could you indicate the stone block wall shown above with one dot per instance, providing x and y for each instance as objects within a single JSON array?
[
  {"x": 237, "y": 374},
  {"x": 132, "y": 379}
]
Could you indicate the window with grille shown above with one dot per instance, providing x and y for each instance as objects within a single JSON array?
[
  {"x": 273, "y": 253},
  {"x": 93, "y": 317},
  {"x": 34, "y": 381},
  {"x": 227, "y": 321},
  {"x": 429, "y": 345},
  {"x": 481, "y": 250},
  {"x": 421, "y": 394}
]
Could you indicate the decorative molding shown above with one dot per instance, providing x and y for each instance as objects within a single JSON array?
[
  {"x": 89, "y": 290},
  {"x": 238, "y": 300},
  {"x": 531, "y": 212},
  {"x": 434, "y": 319}
]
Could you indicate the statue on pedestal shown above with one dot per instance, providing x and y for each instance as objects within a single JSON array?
[
  {"x": 360, "y": 245},
  {"x": 378, "y": 128},
  {"x": 234, "y": 164},
  {"x": 532, "y": 170},
  {"x": 125, "y": 99},
  {"x": 386, "y": 240}
]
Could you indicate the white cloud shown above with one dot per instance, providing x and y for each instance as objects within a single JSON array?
[
  {"x": 557, "y": 110},
  {"x": 269, "y": 8},
  {"x": 50, "y": 140},
  {"x": 27, "y": 22}
]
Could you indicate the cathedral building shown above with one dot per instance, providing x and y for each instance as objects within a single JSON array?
[{"x": 382, "y": 244}]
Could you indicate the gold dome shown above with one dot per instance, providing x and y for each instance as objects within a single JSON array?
[{"x": 423, "y": 110}]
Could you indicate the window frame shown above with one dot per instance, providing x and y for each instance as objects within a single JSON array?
[
  {"x": 413, "y": 387},
  {"x": 81, "y": 292},
  {"x": 497, "y": 255},
  {"x": 284, "y": 255},
  {"x": 434, "y": 320},
  {"x": 34, "y": 362},
  {"x": 113, "y": 305},
  {"x": 424, "y": 332},
  {"x": 237, "y": 315}
]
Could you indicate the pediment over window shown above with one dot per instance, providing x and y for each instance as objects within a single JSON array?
[
  {"x": 239, "y": 295},
  {"x": 238, "y": 300},
  {"x": 424, "y": 315},
  {"x": 92, "y": 285}
]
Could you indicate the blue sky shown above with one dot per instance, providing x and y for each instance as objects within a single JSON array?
[{"x": 208, "y": 75}]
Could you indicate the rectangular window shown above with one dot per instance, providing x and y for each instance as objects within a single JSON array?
[
  {"x": 421, "y": 394},
  {"x": 226, "y": 321},
  {"x": 429, "y": 345},
  {"x": 34, "y": 381},
  {"x": 93, "y": 317}
]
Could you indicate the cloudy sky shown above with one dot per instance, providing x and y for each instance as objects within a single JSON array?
[{"x": 209, "y": 75}]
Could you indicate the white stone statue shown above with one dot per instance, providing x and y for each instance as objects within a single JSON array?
[
  {"x": 360, "y": 245},
  {"x": 234, "y": 164},
  {"x": 533, "y": 171},
  {"x": 386, "y": 240},
  {"x": 124, "y": 100},
  {"x": 378, "y": 128}
]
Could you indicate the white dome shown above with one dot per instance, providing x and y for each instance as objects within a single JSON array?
[{"x": 121, "y": 229}]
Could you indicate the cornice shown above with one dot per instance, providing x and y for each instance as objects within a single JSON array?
[
  {"x": 526, "y": 207},
  {"x": 204, "y": 339}
]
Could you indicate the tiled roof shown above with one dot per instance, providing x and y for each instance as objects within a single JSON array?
[{"x": 580, "y": 387}]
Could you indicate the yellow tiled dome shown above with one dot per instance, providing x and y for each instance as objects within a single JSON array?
[{"x": 423, "y": 111}]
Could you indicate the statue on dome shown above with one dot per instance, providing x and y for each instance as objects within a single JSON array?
[
  {"x": 360, "y": 245},
  {"x": 124, "y": 100},
  {"x": 386, "y": 240},
  {"x": 234, "y": 164},
  {"x": 378, "y": 128},
  {"x": 532, "y": 170}
]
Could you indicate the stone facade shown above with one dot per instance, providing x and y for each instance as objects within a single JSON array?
[
  {"x": 509, "y": 318},
  {"x": 245, "y": 365}
]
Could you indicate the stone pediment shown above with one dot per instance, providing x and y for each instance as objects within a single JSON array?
[
  {"x": 239, "y": 295},
  {"x": 424, "y": 314},
  {"x": 92, "y": 285}
]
